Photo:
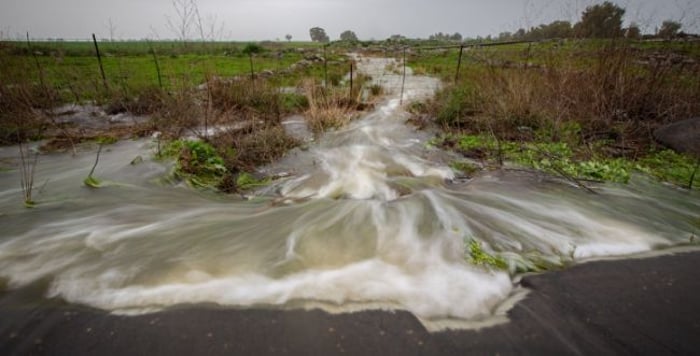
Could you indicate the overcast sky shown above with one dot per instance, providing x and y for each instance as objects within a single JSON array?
[{"x": 272, "y": 19}]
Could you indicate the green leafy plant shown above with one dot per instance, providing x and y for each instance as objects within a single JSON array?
[{"x": 197, "y": 162}]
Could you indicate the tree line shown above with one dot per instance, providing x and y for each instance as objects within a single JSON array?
[
  {"x": 603, "y": 20},
  {"x": 597, "y": 21}
]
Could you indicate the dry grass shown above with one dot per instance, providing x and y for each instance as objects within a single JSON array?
[
  {"x": 329, "y": 108},
  {"x": 251, "y": 100},
  {"x": 243, "y": 150},
  {"x": 22, "y": 115},
  {"x": 610, "y": 95},
  {"x": 178, "y": 114}
]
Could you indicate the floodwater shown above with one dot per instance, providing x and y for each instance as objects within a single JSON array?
[{"x": 367, "y": 218}]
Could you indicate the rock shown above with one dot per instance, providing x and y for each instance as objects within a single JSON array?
[
  {"x": 137, "y": 160},
  {"x": 682, "y": 136}
]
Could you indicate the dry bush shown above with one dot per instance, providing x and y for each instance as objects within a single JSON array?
[
  {"x": 610, "y": 94},
  {"x": 21, "y": 114},
  {"x": 148, "y": 101},
  {"x": 329, "y": 108},
  {"x": 244, "y": 149},
  {"x": 178, "y": 113},
  {"x": 256, "y": 100}
]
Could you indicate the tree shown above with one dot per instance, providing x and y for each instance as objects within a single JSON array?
[
  {"x": 348, "y": 36},
  {"x": 250, "y": 49},
  {"x": 505, "y": 36},
  {"x": 188, "y": 16},
  {"x": 457, "y": 37},
  {"x": 633, "y": 32},
  {"x": 557, "y": 29},
  {"x": 112, "y": 29},
  {"x": 182, "y": 25},
  {"x": 396, "y": 38},
  {"x": 288, "y": 37},
  {"x": 669, "y": 29},
  {"x": 318, "y": 35},
  {"x": 601, "y": 21}
]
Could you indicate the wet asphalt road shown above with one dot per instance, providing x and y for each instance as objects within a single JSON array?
[{"x": 642, "y": 306}]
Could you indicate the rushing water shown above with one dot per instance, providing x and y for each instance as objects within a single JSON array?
[{"x": 364, "y": 220}]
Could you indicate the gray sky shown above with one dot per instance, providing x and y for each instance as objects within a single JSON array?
[{"x": 272, "y": 19}]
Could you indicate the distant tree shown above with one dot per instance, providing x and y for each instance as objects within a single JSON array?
[
  {"x": 457, "y": 37},
  {"x": 669, "y": 29},
  {"x": 250, "y": 49},
  {"x": 348, "y": 36},
  {"x": 181, "y": 26},
  {"x": 557, "y": 29},
  {"x": 601, "y": 21},
  {"x": 633, "y": 32},
  {"x": 519, "y": 34},
  {"x": 318, "y": 35},
  {"x": 112, "y": 29},
  {"x": 397, "y": 38},
  {"x": 188, "y": 18},
  {"x": 288, "y": 37},
  {"x": 505, "y": 36}
]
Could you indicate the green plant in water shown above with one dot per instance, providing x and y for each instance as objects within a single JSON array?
[
  {"x": 479, "y": 257},
  {"x": 246, "y": 181},
  {"x": 27, "y": 167},
  {"x": 464, "y": 167},
  {"x": 197, "y": 162},
  {"x": 90, "y": 180}
]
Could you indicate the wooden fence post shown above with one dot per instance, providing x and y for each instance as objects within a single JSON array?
[
  {"x": 325, "y": 67},
  {"x": 351, "y": 80},
  {"x": 99, "y": 61},
  {"x": 403, "y": 81},
  {"x": 155, "y": 60},
  {"x": 459, "y": 62}
]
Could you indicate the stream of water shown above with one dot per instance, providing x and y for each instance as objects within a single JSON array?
[{"x": 367, "y": 219}]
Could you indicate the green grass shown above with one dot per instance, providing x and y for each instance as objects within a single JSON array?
[
  {"x": 582, "y": 162},
  {"x": 72, "y": 70}
]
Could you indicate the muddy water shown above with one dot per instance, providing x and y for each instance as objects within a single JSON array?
[{"x": 366, "y": 220}]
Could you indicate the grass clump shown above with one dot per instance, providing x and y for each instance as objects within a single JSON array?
[
  {"x": 329, "y": 108},
  {"x": 464, "y": 167}
]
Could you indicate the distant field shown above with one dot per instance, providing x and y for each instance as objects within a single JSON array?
[{"x": 72, "y": 67}]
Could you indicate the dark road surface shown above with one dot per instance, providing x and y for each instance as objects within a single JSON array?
[{"x": 643, "y": 306}]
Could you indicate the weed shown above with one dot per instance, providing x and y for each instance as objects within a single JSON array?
[
  {"x": 27, "y": 169},
  {"x": 246, "y": 181},
  {"x": 329, "y": 108},
  {"x": 479, "y": 257},
  {"x": 197, "y": 162},
  {"x": 243, "y": 151},
  {"x": 464, "y": 167},
  {"x": 90, "y": 180}
]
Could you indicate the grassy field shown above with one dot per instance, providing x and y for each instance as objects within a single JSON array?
[{"x": 71, "y": 68}]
